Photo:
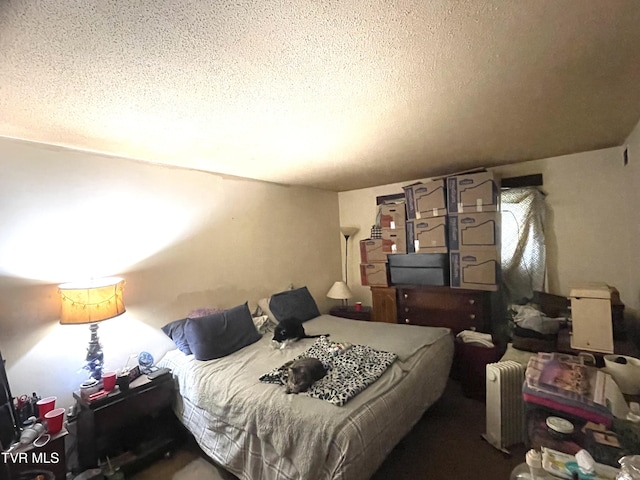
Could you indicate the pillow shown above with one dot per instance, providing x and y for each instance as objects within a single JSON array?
[
  {"x": 296, "y": 303},
  {"x": 175, "y": 331},
  {"x": 221, "y": 334},
  {"x": 263, "y": 305}
]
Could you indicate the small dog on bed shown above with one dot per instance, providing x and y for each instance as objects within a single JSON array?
[{"x": 302, "y": 373}]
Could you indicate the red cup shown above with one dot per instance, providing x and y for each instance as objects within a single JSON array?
[
  {"x": 358, "y": 306},
  {"x": 108, "y": 381},
  {"x": 45, "y": 405},
  {"x": 54, "y": 420}
]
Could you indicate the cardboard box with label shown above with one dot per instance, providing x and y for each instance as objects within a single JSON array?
[
  {"x": 474, "y": 230},
  {"x": 399, "y": 238},
  {"x": 426, "y": 200},
  {"x": 375, "y": 250},
  {"x": 475, "y": 269},
  {"x": 392, "y": 215},
  {"x": 374, "y": 274},
  {"x": 428, "y": 235},
  {"x": 473, "y": 192}
]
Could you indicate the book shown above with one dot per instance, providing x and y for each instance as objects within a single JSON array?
[{"x": 565, "y": 381}]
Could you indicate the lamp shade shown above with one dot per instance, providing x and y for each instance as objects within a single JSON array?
[
  {"x": 91, "y": 301},
  {"x": 339, "y": 291},
  {"x": 349, "y": 231}
]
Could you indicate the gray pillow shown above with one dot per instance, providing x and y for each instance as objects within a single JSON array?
[
  {"x": 220, "y": 334},
  {"x": 175, "y": 331},
  {"x": 298, "y": 304}
]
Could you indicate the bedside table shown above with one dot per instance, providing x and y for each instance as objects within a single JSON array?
[
  {"x": 132, "y": 427},
  {"x": 350, "y": 312},
  {"x": 50, "y": 458}
]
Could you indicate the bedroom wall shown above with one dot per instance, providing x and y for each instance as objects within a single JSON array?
[
  {"x": 181, "y": 239},
  {"x": 593, "y": 227}
]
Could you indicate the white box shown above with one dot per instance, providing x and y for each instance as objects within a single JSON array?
[{"x": 592, "y": 326}]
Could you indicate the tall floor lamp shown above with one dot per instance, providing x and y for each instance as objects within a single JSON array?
[{"x": 347, "y": 232}]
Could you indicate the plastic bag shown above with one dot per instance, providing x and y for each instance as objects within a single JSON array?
[{"x": 629, "y": 468}]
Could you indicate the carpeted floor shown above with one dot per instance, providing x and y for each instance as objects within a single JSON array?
[{"x": 445, "y": 443}]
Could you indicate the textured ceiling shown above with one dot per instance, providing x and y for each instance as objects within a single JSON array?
[{"x": 325, "y": 93}]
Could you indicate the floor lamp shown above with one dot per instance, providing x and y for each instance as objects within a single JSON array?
[{"x": 347, "y": 232}]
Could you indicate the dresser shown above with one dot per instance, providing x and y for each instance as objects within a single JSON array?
[{"x": 454, "y": 308}]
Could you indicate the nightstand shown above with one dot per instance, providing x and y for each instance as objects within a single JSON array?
[
  {"x": 132, "y": 427},
  {"x": 350, "y": 312},
  {"x": 50, "y": 458}
]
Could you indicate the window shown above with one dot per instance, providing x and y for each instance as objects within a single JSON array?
[{"x": 523, "y": 242}]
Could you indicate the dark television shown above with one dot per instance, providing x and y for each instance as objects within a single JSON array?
[{"x": 9, "y": 431}]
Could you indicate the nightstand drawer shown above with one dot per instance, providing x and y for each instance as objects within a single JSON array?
[{"x": 130, "y": 409}]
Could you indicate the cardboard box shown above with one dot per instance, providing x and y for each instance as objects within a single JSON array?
[
  {"x": 475, "y": 230},
  {"x": 475, "y": 269},
  {"x": 473, "y": 192},
  {"x": 392, "y": 215},
  {"x": 399, "y": 238},
  {"x": 426, "y": 200},
  {"x": 428, "y": 235},
  {"x": 419, "y": 269},
  {"x": 592, "y": 326},
  {"x": 374, "y": 274},
  {"x": 375, "y": 250}
]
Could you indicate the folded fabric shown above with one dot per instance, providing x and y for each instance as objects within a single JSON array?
[{"x": 350, "y": 370}]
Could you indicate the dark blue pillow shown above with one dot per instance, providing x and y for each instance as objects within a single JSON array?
[
  {"x": 220, "y": 334},
  {"x": 296, "y": 303},
  {"x": 175, "y": 331}
]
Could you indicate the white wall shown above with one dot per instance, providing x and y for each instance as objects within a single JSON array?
[
  {"x": 181, "y": 239},
  {"x": 593, "y": 226}
]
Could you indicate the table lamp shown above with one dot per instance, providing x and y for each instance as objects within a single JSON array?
[
  {"x": 92, "y": 302},
  {"x": 340, "y": 291}
]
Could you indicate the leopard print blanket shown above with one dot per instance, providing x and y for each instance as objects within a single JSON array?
[{"x": 350, "y": 370}]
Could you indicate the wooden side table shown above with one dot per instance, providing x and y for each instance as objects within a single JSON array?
[
  {"x": 50, "y": 458},
  {"x": 131, "y": 427},
  {"x": 350, "y": 312}
]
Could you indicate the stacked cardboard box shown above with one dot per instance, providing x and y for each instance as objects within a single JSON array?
[
  {"x": 473, "y": 204},
  {"x": 426, "y": 217},
  {"x": 374, "y": 251}
]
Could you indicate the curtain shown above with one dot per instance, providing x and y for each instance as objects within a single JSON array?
[{"x": 523, "y": 243}]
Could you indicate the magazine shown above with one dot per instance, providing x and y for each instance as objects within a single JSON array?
[{"x": 566, "y": 376}]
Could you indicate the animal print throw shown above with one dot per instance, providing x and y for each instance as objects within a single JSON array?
[{"x": 351, "y": 369}]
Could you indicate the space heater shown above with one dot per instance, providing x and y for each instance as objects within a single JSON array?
[{"x": 504, "y": 404}]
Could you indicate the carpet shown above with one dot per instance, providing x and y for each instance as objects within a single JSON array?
[{"x": 199, "y": 469}]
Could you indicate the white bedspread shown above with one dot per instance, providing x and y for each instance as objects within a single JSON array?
[{"x": 299, "y": 428}]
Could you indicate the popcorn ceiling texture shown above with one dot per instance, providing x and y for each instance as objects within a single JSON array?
[{"x": 337, "y": 95}]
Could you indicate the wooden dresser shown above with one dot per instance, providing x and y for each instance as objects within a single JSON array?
[{"x": 454, "y": 308}]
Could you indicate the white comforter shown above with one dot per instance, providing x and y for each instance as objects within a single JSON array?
[{"x": 297, "y": 427}]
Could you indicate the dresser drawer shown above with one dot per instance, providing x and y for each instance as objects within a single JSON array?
[
  {"x": 443, "y": 307},
  {"x": 456, "y": 321}
]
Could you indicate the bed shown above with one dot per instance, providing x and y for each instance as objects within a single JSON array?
[{"x": 256, "y": 431}]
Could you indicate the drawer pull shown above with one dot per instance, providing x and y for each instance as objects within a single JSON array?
[
  {"x": 472, "y": 316},
  {"x": 472, "y": 301},
  {"x": 406, "y": 320},
  {"x": 406, "y": 309},
  {"x": 406, "y": 295}
]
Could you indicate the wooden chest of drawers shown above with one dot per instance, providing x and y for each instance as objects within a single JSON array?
[{"x": 453, "y": 308}]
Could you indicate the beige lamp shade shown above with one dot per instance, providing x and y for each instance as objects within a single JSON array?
[
  {"x": 339, "y": 291},
  {"x": 349, "y": 231},
  {"x": 92, "y": 301}
]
